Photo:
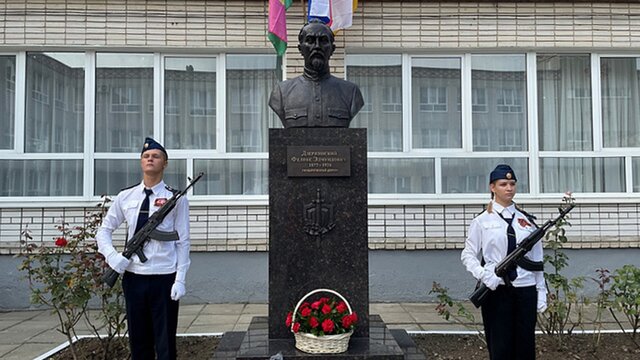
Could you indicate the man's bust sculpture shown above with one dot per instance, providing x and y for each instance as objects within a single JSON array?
[{"x": 316, "y": 99}]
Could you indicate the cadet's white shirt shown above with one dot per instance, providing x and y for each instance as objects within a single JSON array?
[
  {"x": 164, "y": 257},
  {"x": 488, "y": 238}
]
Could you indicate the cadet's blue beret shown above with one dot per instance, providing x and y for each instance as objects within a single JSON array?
[
  {"x": 150, "y": 144},
  {"x": 502, "y": 171}
]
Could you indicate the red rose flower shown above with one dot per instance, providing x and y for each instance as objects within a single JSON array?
[
  {"x": 313, "y": 322},
  {"x": 316, "y": 305},
  {"x": 342, "y": 307},
  {"x": 354, "y": 318},
  {"x": 327, "y": 326},
  {"x": 324, "y": 300},
  {"x": 289, "y": 319},
  {"x": 61, "y": 242},
  {"x": 305, "y": 312},
  {"x": 296, "y": 327},
  {"x": 304, "y": 305},
  {"x": 326, "y": 309},
  {"x": 346, "y": 321}
]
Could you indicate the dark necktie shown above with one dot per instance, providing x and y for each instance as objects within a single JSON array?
[
  {"x": 511, "y": 244},
  {"x": 143, "y": 216}
]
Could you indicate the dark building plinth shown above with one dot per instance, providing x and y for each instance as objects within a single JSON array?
[{"x": 382, "y": 343}]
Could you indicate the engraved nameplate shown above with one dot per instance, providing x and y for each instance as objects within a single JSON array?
[{"x": 316, "y": 161}]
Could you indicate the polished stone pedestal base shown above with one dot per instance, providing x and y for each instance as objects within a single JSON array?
[{"x": 255, "y": 344}]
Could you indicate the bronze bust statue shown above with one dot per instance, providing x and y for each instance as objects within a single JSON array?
[{"x": 316, "y": 98}]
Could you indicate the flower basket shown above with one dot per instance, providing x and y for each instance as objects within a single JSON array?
[{"x": 325, "y": 344}]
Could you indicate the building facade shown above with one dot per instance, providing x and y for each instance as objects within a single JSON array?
[{"x": 452, "y": 88}]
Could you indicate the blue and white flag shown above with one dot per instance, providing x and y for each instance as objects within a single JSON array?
[{"x": 320, "y": 9}]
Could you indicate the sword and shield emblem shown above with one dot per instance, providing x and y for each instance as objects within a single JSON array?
[{"x": 319, "y": 216}]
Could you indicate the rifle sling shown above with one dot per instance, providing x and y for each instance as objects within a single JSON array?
[
  {"x": 164, "y": 235},
  {"x": 530, "y": 265}
]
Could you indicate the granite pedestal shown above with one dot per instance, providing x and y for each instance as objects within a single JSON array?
[{"x": 317, "y": 220}]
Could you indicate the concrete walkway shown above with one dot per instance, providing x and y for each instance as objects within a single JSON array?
[{"x": 29, "y": 334}]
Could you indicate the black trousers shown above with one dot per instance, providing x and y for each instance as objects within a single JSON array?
[
  {"x": 509, "y": 318},
  {"x": 152, "y": 317}
]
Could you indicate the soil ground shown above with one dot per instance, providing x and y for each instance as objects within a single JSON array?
[{"x": 435, "y": 346}]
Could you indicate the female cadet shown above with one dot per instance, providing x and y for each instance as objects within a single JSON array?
[{"x": 509, "y": 313}]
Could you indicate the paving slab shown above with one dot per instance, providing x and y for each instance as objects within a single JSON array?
[{"x": 222, "y": 309}]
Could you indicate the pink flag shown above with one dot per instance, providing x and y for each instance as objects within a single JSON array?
[{"x": 278, "y": 24}]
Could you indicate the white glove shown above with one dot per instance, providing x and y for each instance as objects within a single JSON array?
[
  {"x": 542, "y": 301},
  {"x": 489, "y": 277},
  {"x": 177, "y": 290},
  {"x": 118, "y": 262}
]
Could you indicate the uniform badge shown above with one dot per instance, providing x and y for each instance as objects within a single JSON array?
[
  {"x": 160, "y": 201},
  {"x": 146, "y": 145},
  {"x": 508, "y": 176},
  {"x": 524, "y": 223}
]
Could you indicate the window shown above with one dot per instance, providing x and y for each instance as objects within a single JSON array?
[
  {"x": 587, "y": 175},
  {"x": 620, "y": 81},
  {"x": 190, "y": 119},
  {"x": 504, "y": 79},
  {"x": 7, "y": 100},
  {"x": 564, "y": 102},
  {"x": 390, "y": 176},
  {"x": 382, "y": 110},
  {"x": 509, "y": 101},
  {"x": 392, "y": 99},
  {"x": 250, "y": 79},
  {"x": 232, "y": 177},
  {"x": 41, "y": 178},
  {"x": 55, "y": 82},
  {"x": 124, "y": 87},
  {"x": 433, "y": 99},
  {"x": 435, "y": 124},
  {"x": 113, "y": 175},
  {"x": 471, "y": 175}
]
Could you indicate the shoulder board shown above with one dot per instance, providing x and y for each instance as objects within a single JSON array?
[
  {"x": 529, "y": 216},
  {"x": 484, "y": 209},
  {"x": 129, "y": 187},
  {"x": 174, "y": 191}
]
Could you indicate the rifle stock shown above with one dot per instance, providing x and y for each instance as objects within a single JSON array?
[
  {"x": 136, "y": 243},
  {"x": 479, "y": 295}
]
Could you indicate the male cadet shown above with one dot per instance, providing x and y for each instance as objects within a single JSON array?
[
  {"x": 151, "y": 289},
  {"x": 316, "y": 98}
]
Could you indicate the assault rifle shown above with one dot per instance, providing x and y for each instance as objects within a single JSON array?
[
  {"x": 148, "y": 230},
  {"x": 479, "y": 295}
]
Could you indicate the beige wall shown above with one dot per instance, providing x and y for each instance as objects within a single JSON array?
[
  {"x": 412, "y": 26},
  {"x": 407, "y": 26},
  {"x": 245, "y": 228}
]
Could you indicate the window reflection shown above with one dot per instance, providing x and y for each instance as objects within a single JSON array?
[
  {"x": 124, "y": 101},
  {"x": 54, "y": 120},
  {"x": 564, "y": 102},
  {"x": 190, "y": 103},
  {"x": 250, "y": 79},
  {"x": 380, "y": 81},
  {"x": 7, "y": 100},
  {"x": 398, "y": 176},
  {"x": 620, "y": 79},
  {"x": 472, "y": 175},
  {"x": 502, "y": 100},
  {"x": 437, "y": 121}
]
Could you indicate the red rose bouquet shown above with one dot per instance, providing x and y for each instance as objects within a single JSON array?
[
  {"x": 325, "y": 316},
  {"x": 323, "y": 325}
]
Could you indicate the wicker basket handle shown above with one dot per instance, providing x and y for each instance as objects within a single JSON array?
[{"x": 295, "y": 311}]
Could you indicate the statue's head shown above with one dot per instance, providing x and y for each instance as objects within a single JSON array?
[{"x": 316, "y": 44}]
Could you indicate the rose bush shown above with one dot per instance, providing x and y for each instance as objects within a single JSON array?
[{"x": 325, "y": 316}]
